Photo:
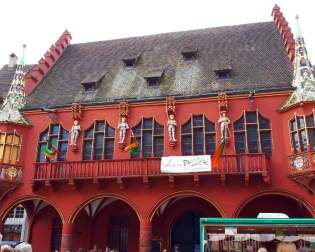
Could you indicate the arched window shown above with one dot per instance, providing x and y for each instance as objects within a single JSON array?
[
  {"x": 252, "y": 133},
  {"x": 149, "y": 135},
  {"x": 98, "y": 141},
  {"x": 55, "y": 136},
  {"x": 302, "y": 131},
  {"x": 10, "y": 145},
  {"x": 198, "y": 136}
]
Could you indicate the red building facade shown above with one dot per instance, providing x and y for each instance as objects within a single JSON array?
[{"x": 96, "y": 194}]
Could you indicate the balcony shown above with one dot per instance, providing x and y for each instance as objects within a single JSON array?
[
  {"x": 10, "y": 177},
  {"x": 302, "y": 169},
  {"x": 246, "y": 165}
]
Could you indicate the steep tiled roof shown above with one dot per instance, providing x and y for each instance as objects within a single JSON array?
[
  {"x": 6, "y": 76},
  {"x": 254, "y": 52}
]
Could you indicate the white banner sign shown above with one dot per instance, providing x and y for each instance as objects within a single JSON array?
[{"x": 183, "y": 164}]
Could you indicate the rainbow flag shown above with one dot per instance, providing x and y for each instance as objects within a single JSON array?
[
  {"x": 217, "y": 155},
  {"x": 132, "y": 148}
]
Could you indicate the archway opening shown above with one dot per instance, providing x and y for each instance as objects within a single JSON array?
[
  {"x": 175, "y": 225},
  {"x": 274, "y": 203},
  {"x": 106, "y": 222},
  {"x": 30, "y": 219}
]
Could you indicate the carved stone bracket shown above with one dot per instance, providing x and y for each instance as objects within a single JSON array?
[
  {"x": 222, "y": 102},
  {"x": 76, "y": 111},
  {"x": 123, "y": 109}
]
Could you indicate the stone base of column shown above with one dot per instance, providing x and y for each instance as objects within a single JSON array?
[{"x": 145, "y": 236}]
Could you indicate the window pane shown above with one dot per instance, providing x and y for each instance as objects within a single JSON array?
[
  {"x": 293, "y": 125},
  {"x": 210, "y": 143},
  {"x": 7, "y": 152},
  {"x": 198, "y": 141},
  {"x": 209, "y": 126},
  {"x": 147, "y": 123},
  {"x": 186, "y": 145},
  {"x": 158, "y": 146},
  {"x": 16, "y": 140},
  {"x": 62, "y": 151},
  {"x": 9, "y": 139},
  {"x": 265, "y": 139},
  {"x": 2, "y": 137},
  {"x": 43, "y": 136},
  {"x": 310, "y": 121},
  {"x": 295, "y": 141},
  {"x": 301, "y": 123},
  {"x": 240, "y": 142},
  {"x": 311, "y": 137},
  {"x": 109, "y": 149},
  {"x": 303, "y": 140},
  {"x": 100, "y": 126},
  {"x": 251, "y": 117},
  {"x": 54, "y": 129},
  {"x": 54, "y": 141},
  {"x": 198, "y": 120},
  {"x": 147, "y": 143},
  {"x": 239, "y": 124},
  {"x": 64, "y": 134},
  {"x": 87, "y": 150},
  {"x": 186, "y": 128},
  {"x": 137, "y": 130},
  {"x": 41, "y": 154},
  {"x": 252, "y": 138},
  {"x": 110, "y": 132},
  {"x": 15, "y": 154},
  {"x": 88, "y": 133},
  {"x": 98, "y": 146},
  {"x": 158, "y": 129},
  {"x": 1, "y": 150},
  {"x": 263, "y": 123}
]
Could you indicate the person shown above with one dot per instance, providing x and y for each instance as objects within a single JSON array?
[
  {"x": 122, "y": 126},
  {"x": 74, "y": 133},
  {"x": 6, "y": 248},
  {"x": 286, "y": 247},
  {"x": 171, "y": 124},
  {"x": 224, "y": 125},
  {"x": 262, "y": 249},
  {"x": 23, "y": 247}
]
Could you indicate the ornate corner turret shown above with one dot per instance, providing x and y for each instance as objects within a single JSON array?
[
  {"x": 15, "y": 99},
  {"x": 303, "y": 79}
]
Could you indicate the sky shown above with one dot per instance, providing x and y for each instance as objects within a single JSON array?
[{"x": 39, "y": 23}]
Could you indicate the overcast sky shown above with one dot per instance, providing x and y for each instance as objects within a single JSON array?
[{"x": 38, "y": 23}]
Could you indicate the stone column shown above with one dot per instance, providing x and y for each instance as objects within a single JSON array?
[
  {"x": 67, "y": 237},
  {"x": 145, "y": 236}
]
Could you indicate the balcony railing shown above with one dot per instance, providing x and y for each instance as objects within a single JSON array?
[
  {"x": 150, "y": 167},
  {"x": 302, "y": 163}
]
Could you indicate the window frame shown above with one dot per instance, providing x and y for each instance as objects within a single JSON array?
[
  {"x": 154, "y": 136},
  {"x": 93, "y": 138},
  {"x": 205, "y": 134},
  {"x": 11, "y": 146},
  {"x": 60, "y": 141},
  {"x": 298, "y": 131},
  {"x": 259, "y": 130}
]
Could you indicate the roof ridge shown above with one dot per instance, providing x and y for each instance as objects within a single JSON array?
[{"x": 169, "y": 33}]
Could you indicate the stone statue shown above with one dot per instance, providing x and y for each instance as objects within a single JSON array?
[
  {"x": 74, "y": 133},
  {"x": 122, "y": 126},
  {"x": 224, "y": 124},
  {"x": 171, "y": 124}
]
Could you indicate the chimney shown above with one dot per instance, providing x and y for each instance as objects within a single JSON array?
[{"x": 13, "y": 59}]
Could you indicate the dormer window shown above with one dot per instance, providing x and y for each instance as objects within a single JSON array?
[
  {"x": 89, "y": 87},
  {"x": 131, "y": 61},
  {"x": 153, "y": 81},
  {"x": 223, "y": 74},
  {"x": 189, "y": 54}
]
